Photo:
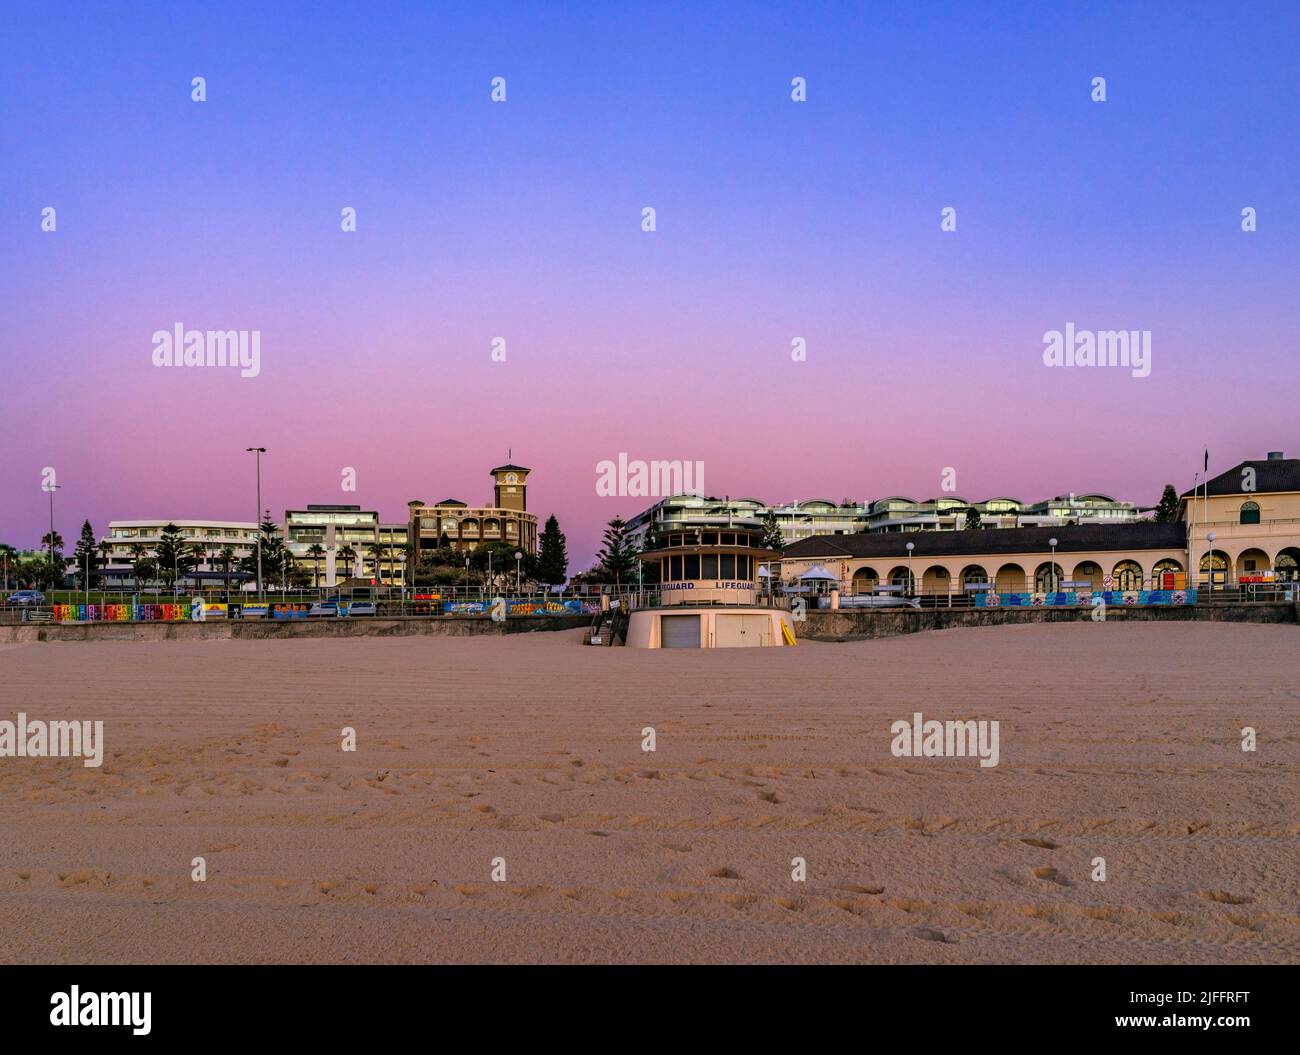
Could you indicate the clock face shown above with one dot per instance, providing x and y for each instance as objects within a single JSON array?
[{"x": 511, "y": 478}]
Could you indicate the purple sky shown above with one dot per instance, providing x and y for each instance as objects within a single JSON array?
[{"x": 521, "y": 220}]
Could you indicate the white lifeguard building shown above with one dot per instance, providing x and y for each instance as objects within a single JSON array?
[{"x": 709, "y": 591}]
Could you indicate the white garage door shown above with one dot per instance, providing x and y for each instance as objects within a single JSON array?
[
  {"x": 679, "y": 631},
  {"x": 742, "y": 631}
]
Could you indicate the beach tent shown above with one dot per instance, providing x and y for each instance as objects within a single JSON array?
[{"x": 816, "y": 580}]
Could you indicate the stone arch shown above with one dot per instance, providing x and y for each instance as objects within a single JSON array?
[
  {"x": 1010, "y": 579},
  {"x": 973, "y": 574},
  {"x": 1252, "y": 561},
  {"x": 901, "y": 576},
  {"x": 936, "y": 579},
  {"x": 1287, "y": 564},
  {"x": 1128, "y": 575},
  {"x": 865, "y": 579},
  {"x": 1047, "y": 577},
  {"x": 1215, "y": 567},
  {"x": 1162, "y": 571},
  {"x": 1088, "y": 571},
  {"x": 1248, "y": 513}
]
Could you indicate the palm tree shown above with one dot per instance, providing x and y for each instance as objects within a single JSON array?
[
  {"x": 349, "y": 557},
  {"x": 316, "y": 551},
  {"x": 201, "y": 557},
  {"x": 105, "y": 555},
  {"x": 227, "y": 558},
  {"x": 138, "y": 554},
  {"x": 377, "y": 553}
]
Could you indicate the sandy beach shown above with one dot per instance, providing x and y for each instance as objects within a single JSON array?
[{"x": 1118, "y": 741}]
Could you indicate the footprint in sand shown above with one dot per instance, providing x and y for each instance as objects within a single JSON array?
[
  {"x": 1222, "y": 897},
  {"x": 933, "y": 934},
  {"x": 1052, "y": 875},
  {"x": 1042, "y": 844}
]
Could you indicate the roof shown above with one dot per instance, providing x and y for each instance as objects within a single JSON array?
[
  {"x": 1271, "y": 474},
  {"x": 1077, "y": 538},
  {"x": 503, "y": 468}
]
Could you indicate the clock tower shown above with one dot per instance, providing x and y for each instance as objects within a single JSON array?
[{"x": 511, "y": 487}]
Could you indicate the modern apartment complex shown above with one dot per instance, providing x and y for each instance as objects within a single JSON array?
[
  {"x": 816, "y": 517},
  {"x": 950, "y": 512},
  {"x": 333, "y": 543},
  {"x": 128, "y": 538}
]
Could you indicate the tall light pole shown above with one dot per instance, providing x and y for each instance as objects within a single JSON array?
[
  {"x": 518, "y": 566},
  {"x": 51, "y": 488},
  {"x": 911, "y": 578},
  {"x": 1052, "y": 570},
  {"x": 1209, "y": 560},
  {"x": 257, "y": 453}
]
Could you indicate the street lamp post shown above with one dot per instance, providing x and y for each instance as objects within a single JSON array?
[
  {"x": 1209, "y": 560},
  {"x": 257, "y": 453},
  {"x": 518, "y": 568},
  {"x": 1052, "y": 571},
  {"x": 911, "y": 577},
  {"x": 51, "y": 488}
]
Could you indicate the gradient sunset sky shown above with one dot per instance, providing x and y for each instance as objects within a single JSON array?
[{"x": 522, "y": 220}]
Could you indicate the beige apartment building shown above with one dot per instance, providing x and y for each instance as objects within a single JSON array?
[
  {"x": 463, "y": 527},
  {"x": 335, "y": 543},
  {"x": 1244, "y": 524}
]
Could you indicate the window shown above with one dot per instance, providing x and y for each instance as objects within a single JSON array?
[
  {"x": 710, "y": 538},
  {"x": 709, "y": 566},
  {"x": 692, "y": 566},
  {"x": 677, "y": 569},
  {"x": 727, "y": 565},
  {"x": 1250, "y": 513}
]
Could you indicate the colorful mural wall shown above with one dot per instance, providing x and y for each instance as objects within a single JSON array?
[{"x": 1086, "y": 599}]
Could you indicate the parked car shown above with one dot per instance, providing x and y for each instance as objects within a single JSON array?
[
  {"x": 25, "y": 597},
  {"x": 325, "y": 608},
  {"x": 362, "y": 608}
]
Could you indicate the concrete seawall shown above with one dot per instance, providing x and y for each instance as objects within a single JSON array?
[
  {"x": 264, "y": 629},
  {"x": 856, "y": 624}
]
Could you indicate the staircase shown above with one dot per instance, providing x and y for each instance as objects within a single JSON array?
[{"x": 608, "y": 628}]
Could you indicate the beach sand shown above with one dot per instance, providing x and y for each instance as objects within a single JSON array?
[{"x": 1120, "y": 741}]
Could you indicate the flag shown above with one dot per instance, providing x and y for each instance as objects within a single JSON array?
[{"x": 1207, "y": 459}]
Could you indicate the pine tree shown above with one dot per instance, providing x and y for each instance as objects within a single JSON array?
[
  {"x": 617, "y": 556},
  {"x": 973, "y": 522},
  {"x": 553, "y": 561},
  {"x": 86, "y": 554},
  {"x": 771, "y": 532},
  {"x": 1167, "y": 507},
  {"x": 172, "y": 556}
]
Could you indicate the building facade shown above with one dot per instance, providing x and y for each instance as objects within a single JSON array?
[
  {"x": 1011, "y": 560},
  {"x": 897, "y": 513},
  {"x": 335, "y": 543},
  {"x": 463, "y": 527},
  {"x": 951, "y": 512},
  {"x": 126, "y": 539},
  {"x": 796, "y": 520},
  {"x": 1244, "y": 524}
]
